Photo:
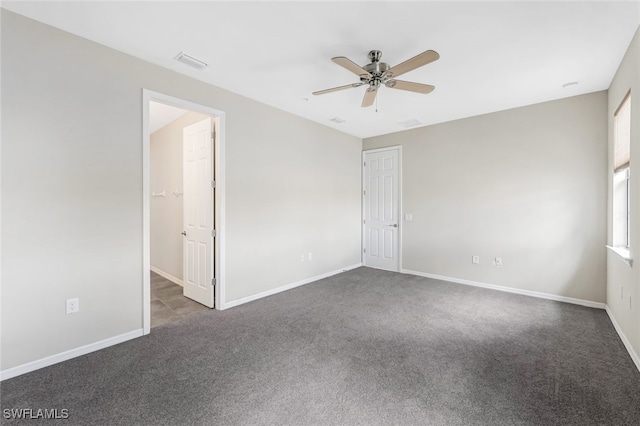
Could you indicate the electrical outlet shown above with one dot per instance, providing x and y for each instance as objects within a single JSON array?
[
  {"x": 302, "y": 257},
  {"x": 408, "y": 217},
  {"x": 310, "y": 256},
  {"x": 497, "y": 261},
  {"x": 621, "y": 292},
  {"x": 73, "y": 306},
  {"x": 475, "y": 260}
]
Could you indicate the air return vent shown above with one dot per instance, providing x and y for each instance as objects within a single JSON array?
[
  {"x": 191, "y": 61},
  {"x": 409, "y": 123}
]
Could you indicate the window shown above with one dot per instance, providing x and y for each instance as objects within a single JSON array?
[{"x": 621, "y": 173}]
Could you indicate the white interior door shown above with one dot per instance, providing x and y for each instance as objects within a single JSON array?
[
  {"x": 382, "y": 209},
  {"x": 198, "y": 212}
]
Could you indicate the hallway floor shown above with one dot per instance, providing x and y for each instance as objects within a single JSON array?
[{"x": 167, "y": 302}]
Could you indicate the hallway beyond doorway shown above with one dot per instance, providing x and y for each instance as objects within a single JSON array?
[{"x": 167, "y": 302}]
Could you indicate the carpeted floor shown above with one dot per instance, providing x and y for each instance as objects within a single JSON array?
[{"x": 366, "y": 347}]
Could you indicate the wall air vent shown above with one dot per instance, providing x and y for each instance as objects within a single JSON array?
[{"x": 191, "y": 61}]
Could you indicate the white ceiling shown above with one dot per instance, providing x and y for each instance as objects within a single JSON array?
[
  {"x": 160, "y": 115},
  {"x": 494, "y": 55}
]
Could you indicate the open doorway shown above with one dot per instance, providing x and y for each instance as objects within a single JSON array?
[
  {"x": 178, "y": 286},
  {"x": 183, "y": 220}
]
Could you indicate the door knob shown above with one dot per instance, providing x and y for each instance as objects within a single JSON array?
[
  {"x": 395, "y": 225},
  {"x": 184, "y": 233}
]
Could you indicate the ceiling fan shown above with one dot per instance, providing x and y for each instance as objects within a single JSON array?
[{"x": 378, "y": 73}]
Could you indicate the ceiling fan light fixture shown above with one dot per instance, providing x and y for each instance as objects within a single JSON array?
[{"x": 191, "y": 61}]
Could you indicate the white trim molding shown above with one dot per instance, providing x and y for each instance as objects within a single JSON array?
[
  {"x": 168, "y": 276},
  {"x": 540, "y": 295},
  {"x": 634, "y": 356},
  {"x": 286, "y": 287},
  {"x": 623, "y": 253},
  {"x": 67, "y": 355}
]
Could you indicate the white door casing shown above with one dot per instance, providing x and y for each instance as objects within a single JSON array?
[
  {"x": 198, "y": 212},
  {"x": 381, "y": 209}
]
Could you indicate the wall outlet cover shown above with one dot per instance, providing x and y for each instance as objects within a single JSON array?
[{"x": 72, "y": 306}]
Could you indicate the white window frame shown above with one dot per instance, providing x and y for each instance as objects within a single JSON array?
[{"x": 621, "y": 235}]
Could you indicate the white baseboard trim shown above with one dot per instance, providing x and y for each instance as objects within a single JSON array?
[
  {"x": 537, "y": 294},
  {"x": 248, "y": 299},
  {"x": 634, "y": 356},
  {"x": 167, "y": 276},
  {"x": 64, "y": 356}
]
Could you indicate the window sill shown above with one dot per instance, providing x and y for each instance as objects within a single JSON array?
[{"x": 623, "y": 253}]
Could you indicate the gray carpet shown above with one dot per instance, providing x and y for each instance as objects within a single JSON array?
[{"x": 365, "y": 347}]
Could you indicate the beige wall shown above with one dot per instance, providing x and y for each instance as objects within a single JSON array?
[
  {"x": 166, "y": 213},
  {"x": 72, "y": 190},
  {"x": 527, "y": 185},
  {"x": 626, "y": 309}
]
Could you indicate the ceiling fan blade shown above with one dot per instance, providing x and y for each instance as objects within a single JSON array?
[
  {"x": 335, "y": 89},
  {"x": 369, "y": 96},
  {"x": 410, "y": 86},
  {"x": 350, "y": 65},
  {"x": 417, "y": 61}
]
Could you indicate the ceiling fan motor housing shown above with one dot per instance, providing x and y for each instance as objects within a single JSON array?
[{"x": 375, "y": 69}]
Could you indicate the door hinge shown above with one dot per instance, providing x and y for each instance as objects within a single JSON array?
[
  {"x": 213, "y": 183},
  {"x": 364, "y": 250},
  {"x": 213, "y": 232},
  {"x": 364, "y": 221},
  {"x": 213, "y": 135},
  {"x": 364, "y": 192},
  {"x": 365, "y": 164},
  {"x": 213, "y": 282}
]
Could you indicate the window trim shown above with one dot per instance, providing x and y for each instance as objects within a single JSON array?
[{"x": 623, "y": 253}]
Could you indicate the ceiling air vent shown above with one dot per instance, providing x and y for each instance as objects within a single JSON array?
[
  {"x": 337, "y": 120},
  {"x": 191, "y": 61},
  {"x": 409, "y": 123}
]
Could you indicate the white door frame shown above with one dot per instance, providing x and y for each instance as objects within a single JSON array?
[
  {"x": 400, "y": 210},
  {"x": 219, "y": 200}
]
